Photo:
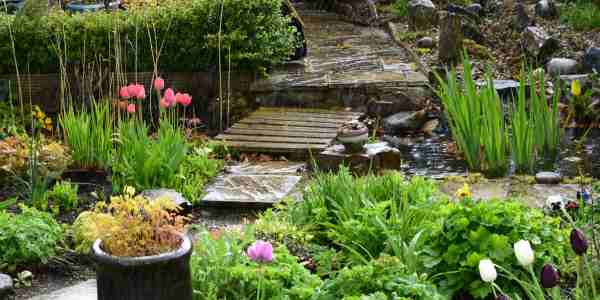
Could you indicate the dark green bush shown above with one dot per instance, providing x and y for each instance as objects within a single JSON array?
[
  {"x": 27, "y": 238},
  {"x": 255, "y": 32},
  {"x": 582, "y": 15}
]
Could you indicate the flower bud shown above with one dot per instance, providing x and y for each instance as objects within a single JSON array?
[
  {"x": 549, "y": 276},
  {"x": 487, "y": 270},
  {"x": 578, "y": 242},
  {"x": 524, "y": 253}
]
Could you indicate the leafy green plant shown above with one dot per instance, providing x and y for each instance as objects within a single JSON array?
[
  {"x": 384, "y": 278},
  {"x": 195, "y": 171},
  {"x": 546, "y": 118},
  {"x": 89, "y": 135},
  {"x": 469, "y": 232},
  {"x": 63, "y": 197},
  {"x": 145, "y": 162},
  {"x": 582, "y": 15},
  {"x": 523, "y": 133},
  {"x": 222, "y": 270},
  {"x": 400, "y": 8},
  {"x": 27, "y": 238}
]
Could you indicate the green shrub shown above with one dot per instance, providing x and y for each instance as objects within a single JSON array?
[
  {"x": 400, "y": 8},
  {"x": 582, "y": 15},
  {"x": 222, "y": 270},
  {"x": 144, "y": 162},
  {"x": 63, "y": 197},
  {"x": 27, "y": 238},
  {"x": 195, "y": 171},
  {"x": 384, "y": 278},
  {"x": 468, "y": 232},
  {"x": 255, "y": 32}
]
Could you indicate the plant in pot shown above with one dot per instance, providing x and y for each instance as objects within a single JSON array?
[
  {"x": 140, "y": 251},
  {"x": 353, "y": 135}
]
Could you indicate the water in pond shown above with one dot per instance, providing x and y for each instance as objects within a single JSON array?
[{"x": 435, "y": 157}]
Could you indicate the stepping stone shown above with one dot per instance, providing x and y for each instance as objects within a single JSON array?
[
  {"x": 83, "y": 291},
  {"x": 261, "y": 184}
]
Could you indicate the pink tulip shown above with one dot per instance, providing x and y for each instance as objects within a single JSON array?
[
  {"x": 170, "y": 98},
  {"x": 131, "y": 108},
  {"x": 132, "y": 90},
  {"x": 261, "y": 251},
  {"x": 183, "y": 99},
  {"x": 141, "y": 92},
  {"x": 124, "y": 93},
  {"x": 163, "y": 103},
  {"x": 159, "y": 84}
]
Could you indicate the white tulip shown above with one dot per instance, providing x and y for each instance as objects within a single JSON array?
[
  {"x": 524, "y": 253},
  {"x": 487, "y": 270},
  {"x": 555, "y": 201}
]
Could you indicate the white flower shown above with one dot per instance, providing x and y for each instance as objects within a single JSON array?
[
  {"x": 524, "y": 253},
  {"x": 487, "y": 270},
  {"x": 129, "y": 190}
]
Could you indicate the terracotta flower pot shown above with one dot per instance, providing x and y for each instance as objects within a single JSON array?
[{"x": 165, "y": 276}]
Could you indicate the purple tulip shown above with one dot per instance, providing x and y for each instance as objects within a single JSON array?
[
  {"x": 550, "y": 276},
  {"x": 503, "y": 297},
  {"x": 578, "y": 242},
  {"x": 261, "y": 251}
]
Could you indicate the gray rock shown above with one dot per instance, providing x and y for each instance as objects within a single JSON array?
[
  {"x": 421, "y": 14},
  {"x": 362, "y": 12},
  {"x": 521, "y": 18},
  {"x": 425, "y": 42},
  {"x": 537, "y": 43},
  {"x": 450, "y": 38},
  {"x": 402, "y": 143},
  {"x": 507, "y": 89},
  {"x": 562, "y": 66},
  {"x": 546, "y": 9},
  {"x": 186, "y": 206},
  {"x": 475, "y": 8},
  {"x": 591, "y": 60},
  {"x": 430, "y": 127},
  {"x": 6, "y": 285},
  {"x": 548, "y": 178},
  {"x": 404, "y": 121}
]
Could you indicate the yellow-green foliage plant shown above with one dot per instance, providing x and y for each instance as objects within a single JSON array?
[{"x": 131, "y": 226}]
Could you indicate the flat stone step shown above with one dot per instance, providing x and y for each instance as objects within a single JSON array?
[{"x": 83, "y": 291}]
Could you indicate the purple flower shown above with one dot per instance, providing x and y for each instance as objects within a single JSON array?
[
  {"x": 550, "y": 276},
  {"x": 502, "y": 297},
  {"x": 261, "y": 251},
  {"x": 578, "y": 242}
]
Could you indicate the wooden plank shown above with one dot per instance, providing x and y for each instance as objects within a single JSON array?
[
  {"x": 299, "y": 116},
  {"x": 311, "y": 110},
  {"x": 338, "y": 115},
  {"x": 282, "y": 128},
  {"x": 273, "y": 139},
  {"x": 298, "y": 119},
  {"x": 289, "y": 133},
  {"x": 274, "y": 147},
  {"x": 288, "y": 123}
]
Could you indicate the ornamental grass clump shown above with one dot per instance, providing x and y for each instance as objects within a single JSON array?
[{"x": 131, "y": 226}]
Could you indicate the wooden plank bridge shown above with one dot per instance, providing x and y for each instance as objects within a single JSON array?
[{"x": 286, "y": 130}]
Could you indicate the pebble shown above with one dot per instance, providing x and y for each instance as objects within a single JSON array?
[
  {"x": 548, "y": 178},
  {"x": 425, "y": 42},
  {"x": 6, "y": 285}
]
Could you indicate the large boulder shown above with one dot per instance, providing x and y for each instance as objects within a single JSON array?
[
  {"x": 537, "y": 43},
  {"x": 591, "y": 60},
  {"x": 362, "y": 12},
  {"x": 422, "y": 14},
  {"x": 404, "y": 121},
  {"x": 6, "y": 286}
]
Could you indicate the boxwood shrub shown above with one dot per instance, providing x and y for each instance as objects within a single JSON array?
[{"x": 254, "y": 34}]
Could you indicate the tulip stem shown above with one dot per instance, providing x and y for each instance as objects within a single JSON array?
[
  {"x": 591, "y": 274},
  {"x": 539, "y": 291}
]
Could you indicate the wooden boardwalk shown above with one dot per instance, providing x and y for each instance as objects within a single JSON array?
[{"x": 286, "y": 130}]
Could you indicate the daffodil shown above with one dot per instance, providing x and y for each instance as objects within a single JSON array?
[
  {"x": 48, "y": 121},
  {"x": 464, "y": 192},
  {"x": 40, "y": 115},
  {"x": 576, "y": 88}
]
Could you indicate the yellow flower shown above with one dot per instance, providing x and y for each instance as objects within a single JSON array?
[
  {"x": 576, "y": 88},
  {"x": 129, "y": 190},
  {"x": 464, "y": 192},
  {"x": 48, "y": 121},
  {"x": 48, "y": 127},
  {"x": 41, "y": 115}
]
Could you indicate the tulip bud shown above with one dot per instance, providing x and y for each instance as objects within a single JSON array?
[
  {"x": 503, "y": 297},
  {"x": 550, "y": 276},
  {"x": 524, "y": 253},
  {"x": 487, "y": 270},
  {"x": 578, "y": 242}
]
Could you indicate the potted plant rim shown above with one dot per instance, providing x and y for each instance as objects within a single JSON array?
[{"x": 141, "y": 251}]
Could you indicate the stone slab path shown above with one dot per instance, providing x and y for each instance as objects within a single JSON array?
[
  {"x": 82, "y": 291},
  {"x": 254, "y": 184}
]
